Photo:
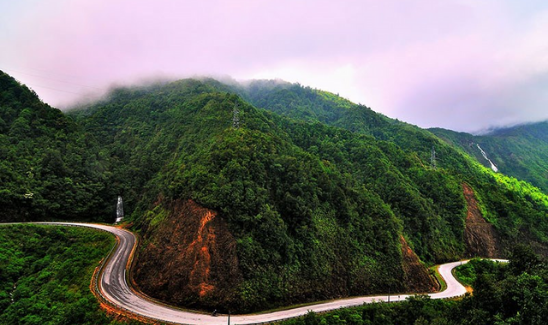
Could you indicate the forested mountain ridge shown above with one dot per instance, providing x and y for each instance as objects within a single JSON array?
[
  {"x": 307, "y": 104},
  {"x": 312, "y": 105},
  {"x": 520, "y": 151},
  {"x": 303, "y": 211},
  {"x": 301, "y": 231},
  {"x": 48, "y": 167},
  {"x": 247, "y": 209}
]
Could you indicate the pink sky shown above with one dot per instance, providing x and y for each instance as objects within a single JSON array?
[{"x": 463, "y": 65}]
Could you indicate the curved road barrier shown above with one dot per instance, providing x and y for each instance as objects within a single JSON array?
[{"x": 114, "y": 288}]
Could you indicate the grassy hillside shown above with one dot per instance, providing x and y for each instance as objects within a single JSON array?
[
  {"x": 520, "y": 151},
  {"x": 48, "y": 167}
]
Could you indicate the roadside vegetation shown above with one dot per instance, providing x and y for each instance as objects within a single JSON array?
[
  {"x": 316, "y": 191},
  {"x": 317, "y": 194},
  {"x": 45, "y": 274},
  {"x": 514, "y": 293}
]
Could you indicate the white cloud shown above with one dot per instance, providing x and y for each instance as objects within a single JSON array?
[{"x": 460, "y": 64}]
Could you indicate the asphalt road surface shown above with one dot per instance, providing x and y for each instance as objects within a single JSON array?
[{"x": 114, "y": 287}]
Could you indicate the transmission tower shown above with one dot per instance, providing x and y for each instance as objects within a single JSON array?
[
  {"x": 236, "y": 117},
  {"x": 433, "y": 158}
]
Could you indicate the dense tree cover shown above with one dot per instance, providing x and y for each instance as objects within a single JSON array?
[
  {"x": 428, "y": 201},
  {"x": 503, "y": 294},
  {"x": 315, "y": 209},
  {"x": 316, "y": 199},
  {"x": 517, "y": 210},
  {"x": 305, "y": 231},
  {"x": 520, "y": 151},
  {"x": 140, "y": 129},
  {"x": 312, "y": 105},
  {"x": 48, "y": 167},
  {"x": 45, "y": 273}
]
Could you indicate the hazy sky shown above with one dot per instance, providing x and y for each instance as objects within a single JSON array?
[{"x": 465, "y": 65}]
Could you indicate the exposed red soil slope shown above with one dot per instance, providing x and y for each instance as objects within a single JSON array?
[
  {"x": 480, "y": 236},
  {"x": 189, "y": 259},
  {"x": 417, "y": 277}
]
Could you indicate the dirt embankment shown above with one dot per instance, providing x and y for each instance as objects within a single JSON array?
[
  {"x": 417, "y": 277},
  {"x": 480, "y": 236},
  {"x": 189, "y": 259}
]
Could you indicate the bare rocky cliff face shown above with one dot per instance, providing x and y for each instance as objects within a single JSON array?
[
  {"x": 480, "y": 237},
  {"x": 189, "y": 259}
]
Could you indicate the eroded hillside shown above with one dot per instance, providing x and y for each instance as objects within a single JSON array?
[
  {"x": 188, "y": 256},
  {"x": 480, "y": 236}
]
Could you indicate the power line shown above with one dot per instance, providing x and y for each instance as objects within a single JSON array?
[
  {"x": 49, "y": 72},
  {"x": 64, "y": 91},
  {"x": 52, "y": 79}
]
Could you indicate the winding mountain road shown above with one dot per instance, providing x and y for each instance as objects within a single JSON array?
[{"x": 114, "y": 287}]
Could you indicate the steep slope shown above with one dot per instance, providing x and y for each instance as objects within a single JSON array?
[
  {"x": 504, "y": 201},
  {"x": 199, "y": 244},
  {"x": 316, "y": 211},
  {"x": 418, "y": 278},
  {"x": 48, "y": 167},
  {"x": 303, "y": 230},
  {"x": 312, "y": 105},
  {"x": 520, "y": 151},
  {"x": 480, "y": 236}
]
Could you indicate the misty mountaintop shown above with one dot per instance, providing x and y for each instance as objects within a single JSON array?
[
  {"x": 318, "y": 196},
  {"x": 520, "y": 151}
]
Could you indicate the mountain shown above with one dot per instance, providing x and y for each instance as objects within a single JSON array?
[
  {"x": 255, "y": 196},
  {"x": 49, "y": 168},
  {"x": 311, "y": 105},
  {"x": 240, "y": 216},
  {"x": 520, "y": 151}
]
